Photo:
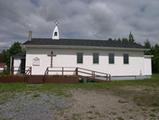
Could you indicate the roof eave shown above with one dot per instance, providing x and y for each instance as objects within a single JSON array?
[
  {"x": 148, "y": 56},
  {"x": 83, "y": 47}
]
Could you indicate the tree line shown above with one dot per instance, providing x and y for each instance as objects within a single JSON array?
[
  {"x": 152, "y": 50},
  {"x": 12, "y": 50},
  {"x": 130, "y": 39}
]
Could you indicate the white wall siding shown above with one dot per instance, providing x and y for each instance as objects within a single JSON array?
[
  {"x": 68, "y": 58},
  {"x": 148, "y": 66},
  {"x": 44, "y": 60}
]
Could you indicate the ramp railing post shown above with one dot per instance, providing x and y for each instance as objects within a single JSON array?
[
  {"x": 106, "y": 77},
  {"x": 30, "y": 70},
  {"x": 93, "y": 74},
  {"x": 76, "y": 71},
  {"x": 62, "y": 71}
]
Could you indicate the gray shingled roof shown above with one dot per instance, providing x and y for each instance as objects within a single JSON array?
[{"x": 82, "y": 42}]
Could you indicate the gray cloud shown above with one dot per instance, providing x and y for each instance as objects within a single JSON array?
[{"x": 79, "y": 19}]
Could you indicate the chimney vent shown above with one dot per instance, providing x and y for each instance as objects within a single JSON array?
[{"x": 29, "y": 35}]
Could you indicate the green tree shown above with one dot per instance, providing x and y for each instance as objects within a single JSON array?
[
  {"x": 125, "y": 40},
  {"x": 155, "y": 59},
  {"x": 147, "y": 45},
  {"x": 110, "y": 39},
  {"x": 153, "y": 50},
  {"x": 119, "y": 40},
  {"x": 131, "y": 38},
  {"x": 14, "y": 49},
  {"x": 1, "y": 57}
]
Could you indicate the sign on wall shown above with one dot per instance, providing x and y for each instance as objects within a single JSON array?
[{"x": 36, "y": 61}]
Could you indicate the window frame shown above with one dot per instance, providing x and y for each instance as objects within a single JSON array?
[
  {"x": 79, "y": 60},
  {"x": 126, "y": 60},
  {"x": 95, "y": 58},
  {"x": 111, "y": 58}
]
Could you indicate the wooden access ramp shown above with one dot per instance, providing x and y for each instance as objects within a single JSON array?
[
  {"x": 91, "y": 75},
  {"x": 81, "y": 73}
]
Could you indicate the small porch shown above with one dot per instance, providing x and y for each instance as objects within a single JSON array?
[{"x": 17, "y": 64}]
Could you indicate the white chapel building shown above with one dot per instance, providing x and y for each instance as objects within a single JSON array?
[{"x": 122, "y": 60}]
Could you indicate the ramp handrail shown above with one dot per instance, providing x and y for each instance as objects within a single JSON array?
[
  {"x": 28, "y": 71},
  {"x": 61, "y": 70},
  {"x": 93, "y": 74},
  {"x": 78, "y": 71}
]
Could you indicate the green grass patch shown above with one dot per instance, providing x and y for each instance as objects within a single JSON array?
[
  {"x": 60, "y": 89},
  {"x": 147, "y": 100},
  {"x": 153, "y": 82},
  {"x": 142, "y": 92}
]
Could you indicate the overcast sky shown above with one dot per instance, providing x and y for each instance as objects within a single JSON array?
[{"x": 91, "y": 19}]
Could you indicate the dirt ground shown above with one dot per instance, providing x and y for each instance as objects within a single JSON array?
[
  {"x": 81, "y": 104},
  {"x": 100, "y": 105}
]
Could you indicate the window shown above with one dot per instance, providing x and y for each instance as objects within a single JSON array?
[
  {"x": 55, "y": 34},
  {"x": 126, "y": 58},
  {"x": 95, "y": 58},
  {"x": 111, "y": 58},
  {"x": 80, "y": 58}
]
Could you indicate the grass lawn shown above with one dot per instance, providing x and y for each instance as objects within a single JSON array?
[
  {"x": 153, "y": 82},
  {"x": 144, "y": 93},
  {"x": 149, "y": 88}
]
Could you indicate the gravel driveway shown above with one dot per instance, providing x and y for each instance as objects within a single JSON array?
[
  {"x": 33, "y": 106},
  {"x": 81, "y": 105}
]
